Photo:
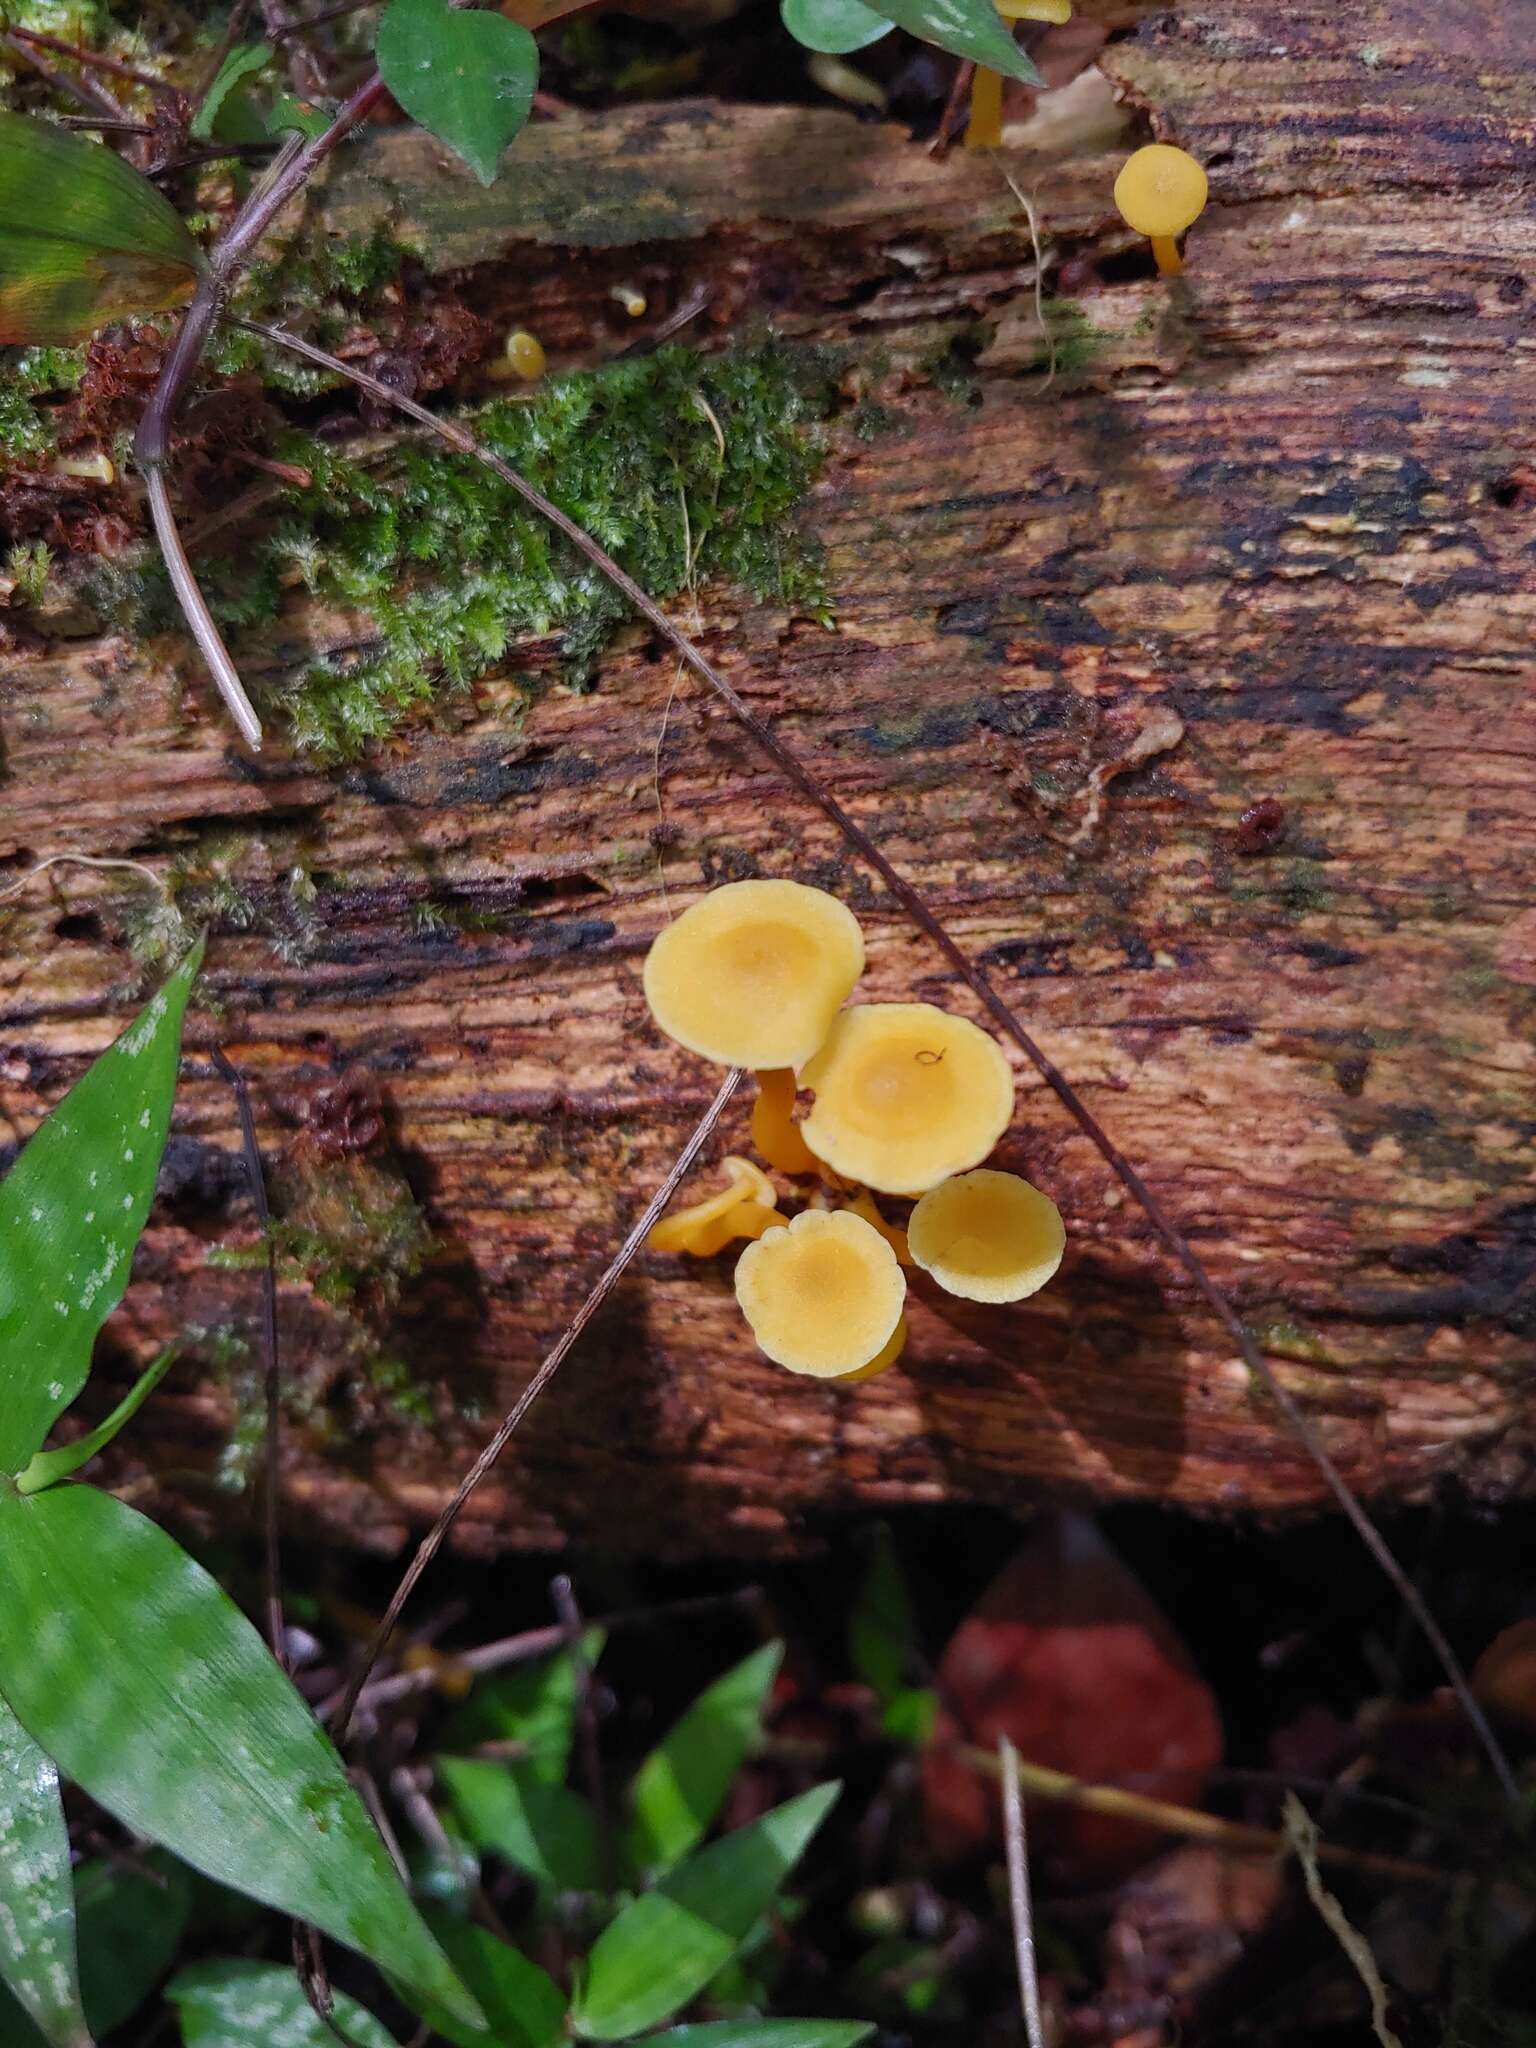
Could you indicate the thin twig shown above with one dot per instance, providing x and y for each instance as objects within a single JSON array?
[
  {"x": 1232, "y": 1837},
  {"x": 912, "y": 901},
  {"x": 1017, "y": 1845},
  {"x": 80, "y": 860},
  {"x": 563, "y": 1593},
  {"x": 86, "y": 91},
  {"x": 92, "y": 60},
  {"x": 432, "y": 1542},
  {"x": 949, "y": 120},
  {"x": 308, "y": 21},
  {"x": 276, "y": 1632},
  {"x": 151, "y": 446}
]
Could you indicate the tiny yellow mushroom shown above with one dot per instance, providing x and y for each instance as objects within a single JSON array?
[
  {"x": 630, "y": 297},
  {"x": 1160, "y": 192},
  {"x": 1035, "y": 10},
  {"x": 905, "y": 1096},
  {"x": 746, "y": 1206},
  {"x": 987, "y": 1236},
  {"x": 525, "y": 354},
  {"x": 825, "y": 1296},
  {"x": 753, "y": 974},
  {"x": 774, "y": 1130}
]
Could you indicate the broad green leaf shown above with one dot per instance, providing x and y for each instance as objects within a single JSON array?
[
  {"x": 148, "y": 1687},
  {"x": 37, "y": 1895},
  {"x": 967, "y": 28},
  {"x": 132, "y": 1917},
  {"x": 468, "y": 77},
  {"x": 680, "y": 1787},
  {"x": 834, "y": 26},
  {"x": 239, "y": 2004},
  {"x": 227, "y": 111},
  {"x": 84, "y": 238},
  {"x": 665, "y": 1946},
  {"x": 546, "y": 1830},
  {"x": 532, "y": 1704},
  {"x": 766, "y": 2034},
  {"x": 524, "y": 2006},
  {"x": 73, "y": 1205},
  {"x": 49, "y": 1467}
]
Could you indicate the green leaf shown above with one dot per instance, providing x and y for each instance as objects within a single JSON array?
[
  {"x": 241, "y": 2004},
  {"x": 664, "y": 1947},
  {"x": 303, "y": 119},
  {"x": 534, "y": 1704},
  {"x": 523, "y": 2004},
  {"x": 766, "y": 2034},
  {"x": 132, "y": 1918},
  {"x": 37, "y": 1897},
  {"x": 84, "y": 238},
  {"x": 967, "y": 28},
  {"x": 546, "y": 1830},
  {"x": 72, "y": 1208},
  {"x": 467, "y": 77},
  {"x": 49, "y": 1467},
  {"x": 148, "y": 1687},
  {"x": 834, "y": 26},
  {"x": 680, "y": 1787},
  {"x": 881, "y": 1636},
  {"x": 239, "y": 122}
]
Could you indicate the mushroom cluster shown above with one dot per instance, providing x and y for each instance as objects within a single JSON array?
[{"x": 909, "y": 1100}]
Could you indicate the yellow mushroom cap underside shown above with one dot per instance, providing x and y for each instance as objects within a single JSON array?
[
  {"x": 905, "y": 1096},
  {"x": 704, "y": 1228},
  {"x": 1160, "y": 190},
  {"x": 753, "y": 974},
  {"x": 825, "y": 1296},
  {"x": 987, "y": 1236}
]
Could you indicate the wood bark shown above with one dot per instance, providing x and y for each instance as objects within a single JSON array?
[{"x": 1277, "y": 516}]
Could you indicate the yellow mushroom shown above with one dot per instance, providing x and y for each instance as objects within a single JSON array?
[
  {"x": 825, "y": 1296},
  {"x": 774, "y": 1130},
  {"x": 987, "y": 1236},
  {"x": 525, "y": 354},
  {"x": 905, "y": 1096},
  {"x": 753, "y": 974},
  {"x": 1160, "y": 192},
  {"x": 984, "y": 128},
  {"x": 745, "y": 1207},
  {"x": 1035, "y": 10}
]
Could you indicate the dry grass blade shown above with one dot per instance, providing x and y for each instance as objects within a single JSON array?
[
  {"x": 1017, "y": 1844},
  {"x": 432, "y": 1542},
  {"x": 800, "y": 777}
]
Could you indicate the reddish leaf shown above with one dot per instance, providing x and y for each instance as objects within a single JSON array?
[{"x": 1069, "y": 1657}]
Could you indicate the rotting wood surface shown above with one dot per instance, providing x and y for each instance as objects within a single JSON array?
[{"x": 1287, "y": 503}]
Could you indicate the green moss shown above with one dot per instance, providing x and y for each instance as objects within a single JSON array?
[
  {"x": 27, "y": 565},
  {"x": 28, "y": 378},
  {"x": 452, "y": 567},
  {"x": 1073, "y": 344}
]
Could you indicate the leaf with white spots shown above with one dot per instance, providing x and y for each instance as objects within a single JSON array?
[
  {"x": 71, "y": 1210},
  {"x": 151, "y": 1690},
  {"x": 967, "y": 28},
  {"x": 241, "y": 2004},
  {"x": 37, "y": 1897}
]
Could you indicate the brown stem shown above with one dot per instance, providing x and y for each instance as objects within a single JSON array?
[
  {"x": 912, "y": 901},
  {"x": 432, "y": 1542},
  {"x": 85, "y": 90}
]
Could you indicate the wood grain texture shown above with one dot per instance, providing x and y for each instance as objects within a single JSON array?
[{"x": 1285, "y": 501}]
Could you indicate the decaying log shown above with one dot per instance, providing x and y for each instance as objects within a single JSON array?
[{"x": 1277, "y": 516}]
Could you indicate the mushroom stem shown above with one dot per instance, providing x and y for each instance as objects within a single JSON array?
[
  {"x": 984, "y": 130},
  {"x": 887, "y": 1356},
  {"x": 864, "y": 1204},
  {"x": 775, "y": 1134},
  {"x": 1166, "y": 250}
]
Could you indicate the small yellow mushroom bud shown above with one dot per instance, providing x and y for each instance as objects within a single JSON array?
[
  {"x": 825, "y": 1296},
  {"x": 631, "y": 299},
  {"x": 1160, "y": 192},
  {"x": 94, "y": 469},
  {"x": 987, "y": 1236},
  {"x": 746, "y": 1206},
  {"x": 774, "y": 1130},
  {"x": 753, "y": 973},
  {"x": 905, "y": 1096},
  {"x": 525, "y": 354}
]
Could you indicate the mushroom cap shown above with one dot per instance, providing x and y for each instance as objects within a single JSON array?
[
  {"x": 1035, "y": 10},
  {"x": 1160, "y": 190},
  {"x": 695, "y": 1228},
  {"x": 988, "y": 1236},
  {"x": 825, "y": 1296},
  {"x": 883, "y": 1359},
  {"x": 753, "y": 973},
  {"x": 905, "y": 1096}
]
